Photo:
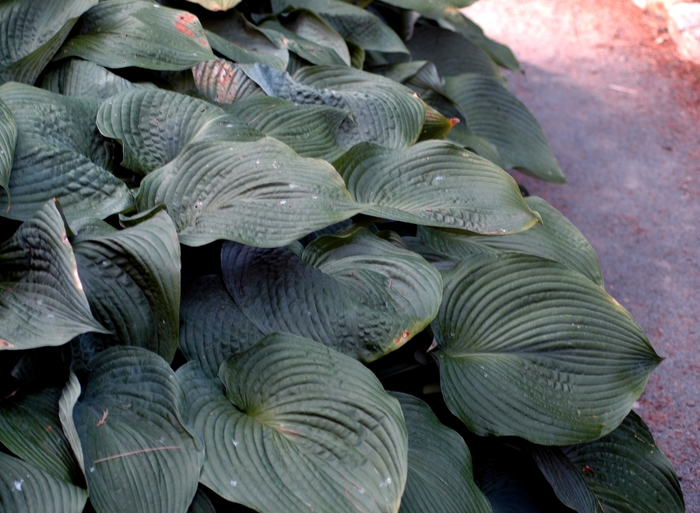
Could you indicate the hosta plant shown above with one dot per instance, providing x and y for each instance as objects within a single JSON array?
[{"x": 265, "y": 256}]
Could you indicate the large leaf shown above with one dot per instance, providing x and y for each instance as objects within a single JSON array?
[
  {"x": 60, "y": 154},
  {"x": 310, "y": 130},
  {"x": 354, "y": 24},
  {"x": 382, "y": 111},
  {"x": 530, "y": 348},
  {"x": 33, "y": 30},
  {"x": 300, "y": 427},
  {"x": 495, "y": 113},
  {"x": 222, "y": 81},
  {"x": 435, "y": 183},
  {"x": 132, "y": 281},
  {"x": 355, "y": 292},
  {"x": 440, "y": 476},
  {"x": 122, "y": 33},
  {"x": 42, "y": 302},
  {"x": 139, "y": 453},
  {"x": 555, "y": 238},
  {"x": 25, "y": 488},
  {"x": 76, "y": 77},
  {"x": 31, "y": 429},
  {"x": 154, "y": 125},
  {"x": 212, "y": 327},
  {"x": 259, "y": 193},
  {"x": 8, "y": 139},
  {"x": 625, "y": 471}
]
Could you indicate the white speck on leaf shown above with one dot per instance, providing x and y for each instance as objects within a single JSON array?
[{"x": 18, "y": 485}]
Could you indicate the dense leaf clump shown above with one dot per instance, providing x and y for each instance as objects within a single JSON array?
[{"x": 264, "y": 256}]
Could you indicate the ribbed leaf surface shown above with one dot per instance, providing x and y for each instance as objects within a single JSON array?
[
  {"x": 354, "y": 24},
  {"x": 300, "y": 427},
  {"x": 259, "y": 193},
  {"x": 25, "y": 488},
  {"x": 154, "y": 125},
  {"x": 496, "y": 114},
  {"x": 60, "y": 154},
  {"x": 435, "y": 183},
  {"x": 42, "y": 302},
  {"x": 212, "y": 327},
  {"x": 555, "y": 238},
  {"x": 122, "y": 33},
  {"x": 440, "y": 476},
  {"x": 357, "y": 293},
  {"x": 310, "y": 130},
  {"x": 139, "y": 453},
  {"x": 222, "y": 81},
  {"x": 75, "y": 77},
  {"x": 382, "y": 111},
  {"x": 626, "y": 471},
  {"x": 33, "y": 30},
  {"x": 132, "y": 281},
  {"x": 31, "y": 429},
  {"x": 530, "y": 348},
  {"x": 8, "y": 139}
]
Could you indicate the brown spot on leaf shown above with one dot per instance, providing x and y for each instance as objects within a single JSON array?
[
  {"x": 5, "y": 343},
  {"x": 453, "y": 121},
  {"x": 184, "y": 19}
]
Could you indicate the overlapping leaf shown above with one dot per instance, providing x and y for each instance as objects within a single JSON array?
[
  {"x": 60, "y": 154},
  {"x": 435, "y": 183},
  {"x": 33, "y": 30},
  {"x": 299, "y": 427},
  {"x": 75, "y": 77},
  {"x": 354, "y": 24},
  {"x": 311, "y": 130},
  {"x": 121, "y": 33},
  {"x": 8, "y": 139},
  {"x": 496, "y": 114},
  {"x": 132, "y": 281},
  {"x": 42, "y": 302},
  {"x": 530, "y": 348},
  {"x": 31, "y": 429},
  {"x": 440, "y": 476},
  {"x": 382, "y": 111},
  {"x": 429, "y": 6},
  {"x": 154, "y": 125},
  {"x": 259, "y": 193},
  {"x": 555, "y": 238},
  {"x": 222, "y": 81},
  {"x": 201, "y": 503},
  {"x": 139, "y": 453},
  {"x": 212, "y": 327},
  {"x": 24, "y": 487},
  {"x": 355, "y": 292}
]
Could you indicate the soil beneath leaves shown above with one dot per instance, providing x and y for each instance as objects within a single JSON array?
[{"x": 622, "y": 113}]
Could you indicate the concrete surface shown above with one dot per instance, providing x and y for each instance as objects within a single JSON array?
[{"x": 622, "y": 114}]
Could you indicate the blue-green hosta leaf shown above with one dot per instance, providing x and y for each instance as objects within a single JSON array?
[
  {"x": 625, "y": 472},
  {"x": 66, "y": 403},
  {"x": 33, "y": 30},
  {"x": 555, "y": 238},
  {"x": 461, "y": 136},
  {"x": 451, "y": 53},
  {"x": 259, "y": 193},
  {"x": 530, "y": 348},
  {"x": 435, "y": 183},
  {"x": 60, "y": 154},
  {"x": 440, "y": 476},
  {"x": 310, "y": 130},
  {"x": 132, "y": 281},
  {"x": 201, "y": 503},
  {"x": 382, "y": 111},
  {"x": 8, "y": 139},
  {"x": 299, "y": 427},
  {"x": 122, "y": 33},
  {"x": 25, "y": 488},
  {"x": 495, "y": 113},
  {"x": 234, "y": 37},
  {"x": 139, "y": 452},
  {"x": 75, "y": 77},
  {"x": 154, "y": 125},
  {"x": 31, "y": 429},
  {"x": 223, "y": 81},
  {"x": 212, "y": 327},
  {"x": 42, "y": 302},
  {"x": 217, "y": 5},
  {"x": 354, "y": 24},
  {"x": 355, "y": 292}
]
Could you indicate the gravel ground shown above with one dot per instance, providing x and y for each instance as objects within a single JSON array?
[{"x": 622, "y": 114}]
